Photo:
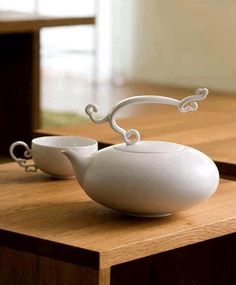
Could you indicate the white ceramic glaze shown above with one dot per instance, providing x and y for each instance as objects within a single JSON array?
[
  {"x": 47, "y": 156},
  {"x": 162, "y": 180},
  {"x": 146, "y": 178}
]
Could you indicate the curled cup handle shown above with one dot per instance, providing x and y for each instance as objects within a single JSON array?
[
  {"x": 23, "y": 161},
  {"x": 187, "y": 104}
]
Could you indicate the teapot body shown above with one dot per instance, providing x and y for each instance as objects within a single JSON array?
[
  {"x": 146, "y": 178},
  {"x": 150, "y": 183}
]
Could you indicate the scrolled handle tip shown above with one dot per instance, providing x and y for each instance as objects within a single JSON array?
[
  {"x": 203, "y": 92},
  {"x": 91, "y": 108},
  {"x": 128, "y": 134},
  {"x": 189, "y": 104},
  {"x": 22, "y": 162}
]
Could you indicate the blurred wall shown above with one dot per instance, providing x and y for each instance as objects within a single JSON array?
[{"x": 175, "y": 42}]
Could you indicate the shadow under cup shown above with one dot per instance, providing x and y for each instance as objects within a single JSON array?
[{"x": 48, "y": 157}]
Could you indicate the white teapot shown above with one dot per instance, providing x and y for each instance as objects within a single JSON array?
[{"x": 146, "y": 178}]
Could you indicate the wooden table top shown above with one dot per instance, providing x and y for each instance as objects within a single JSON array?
[
  {"x": 55, "y": 218},
  {"x": 12, "y": 21},
  {"x": 214, "y": 133}
]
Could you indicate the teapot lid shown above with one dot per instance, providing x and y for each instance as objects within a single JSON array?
[{"x": 150, "y": 147}]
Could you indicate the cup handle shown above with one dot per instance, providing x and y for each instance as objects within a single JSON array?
[{"x": 22, "y": 161}]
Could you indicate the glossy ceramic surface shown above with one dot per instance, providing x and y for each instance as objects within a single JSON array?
[
  {"x": 47, "y": 156},
  {"x": 146, "y": 178},
  {"x": 153, "y": 183}
]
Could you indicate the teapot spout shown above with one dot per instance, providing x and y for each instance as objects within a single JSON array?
[{"x": 79, "y": 163}]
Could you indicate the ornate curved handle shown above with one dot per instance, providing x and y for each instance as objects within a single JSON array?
[
  {"x": 185, "y": 105},
  {"x": 21, "y": 161}
]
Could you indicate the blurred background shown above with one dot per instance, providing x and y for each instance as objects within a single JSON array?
[{"x": 136, "y": 47}]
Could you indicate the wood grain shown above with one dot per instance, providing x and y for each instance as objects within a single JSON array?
[
  {"x": 55, "y": 218},
  {"x": 208, "y": 262},
  {"x": 19, "y": 267}
]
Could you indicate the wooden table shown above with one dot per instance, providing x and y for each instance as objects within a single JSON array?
[
  {"x": 20, "y": 71},
  {"x": 52, "y": 233},
  {"x": 213, "y": 133}
]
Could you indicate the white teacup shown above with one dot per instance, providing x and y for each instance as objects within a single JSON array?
[{"x": 47, "y": 155}]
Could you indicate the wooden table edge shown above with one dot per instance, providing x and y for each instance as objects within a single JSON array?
[
  {"x": 185, "y": 238},
  {"x": 50, "y": 249}
]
